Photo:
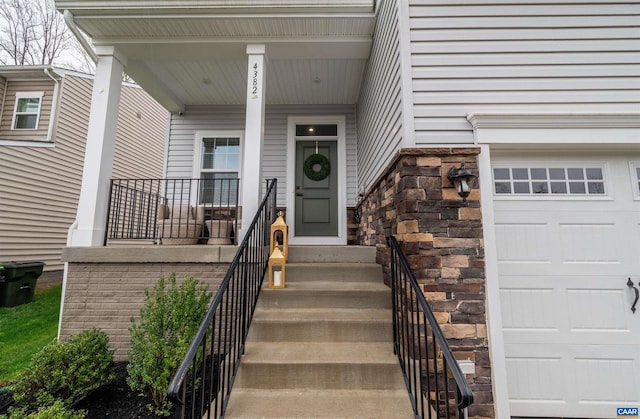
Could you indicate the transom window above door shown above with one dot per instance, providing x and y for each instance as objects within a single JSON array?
[
  {"x": 219, "y": 170},
  {"x": 316, "y": 130},
  {"x": 569, "y": 180}
]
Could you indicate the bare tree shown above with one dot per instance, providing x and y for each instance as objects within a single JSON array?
[
  {"x": 16, "y": 32},
  {"x": 34, "y": 33},
  {"x": 54, "y": 35}
]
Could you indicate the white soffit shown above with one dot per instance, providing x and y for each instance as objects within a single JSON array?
[
  {"x": 555, "y": 128},
  {"x": 219, "y": 6},
  {"x": 137, "y": 28}
]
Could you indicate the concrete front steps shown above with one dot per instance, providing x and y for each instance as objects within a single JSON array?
[{"x": 322, "y": 346}]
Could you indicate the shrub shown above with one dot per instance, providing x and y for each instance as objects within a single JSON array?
[
  {"x": 168, "y": 322},
  {"x": 65, "y": 371},
  {"x": 56, "y": 411}
]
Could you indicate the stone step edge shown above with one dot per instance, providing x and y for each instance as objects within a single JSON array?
[
  {"x": 301, "y": 253},
  {"x": 320, "y": 353},
  {"x": 322, "y": 285},
  {"x": 289, "y": 315},
  {"x": 319, "y": 403}
]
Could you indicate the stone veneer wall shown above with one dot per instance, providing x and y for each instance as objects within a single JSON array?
[
  {"x": 107, "y": 295},
  {"x": 442, "y": 238}
]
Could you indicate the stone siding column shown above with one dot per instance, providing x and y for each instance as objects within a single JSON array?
[{"x": 442, "y": 238}]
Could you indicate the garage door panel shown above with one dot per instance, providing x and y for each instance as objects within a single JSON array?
[
  {"x": 515, "y": 242},
  {"x": 560, "y": 380},
  {"x": 592, "y": 372},
  {"x": 597, "y": 310},
  {"x": 590, "y": 243},
  {"x": 527, "y": 308},
  {"x": 536, "y": 379}
]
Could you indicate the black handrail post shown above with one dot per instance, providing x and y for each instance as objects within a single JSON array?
[
  {"x": 394, "y": 307},
  {"x": 106, "y": 227},
  {"x": 244, "y": 285}
]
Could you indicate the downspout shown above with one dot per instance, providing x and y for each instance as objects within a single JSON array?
[
  {"x": 68, "y": 18},
  {"x": 54, "y": 104},
  {"x": 4, "y": 96}
]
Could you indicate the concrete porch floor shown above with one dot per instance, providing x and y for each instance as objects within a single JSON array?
[{"x": 150, "y": 253}]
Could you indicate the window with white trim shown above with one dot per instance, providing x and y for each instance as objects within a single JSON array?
[
  {"x": 26, "y": 114},
  {"x": 569, "y": 180},
  {"x": 220, "y": 170}
]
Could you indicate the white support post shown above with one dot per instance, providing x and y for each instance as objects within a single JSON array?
[
  {"x": 98, "y": 160},
  {"x": 254, "y": 136}
]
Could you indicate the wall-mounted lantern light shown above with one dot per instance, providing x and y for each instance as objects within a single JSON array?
[{"x": 462, "y": 179}]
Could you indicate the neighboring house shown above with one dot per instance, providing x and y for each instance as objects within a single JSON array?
[
  {"x": 44, "y": 117},
  {"x": 541, "y": 99}
]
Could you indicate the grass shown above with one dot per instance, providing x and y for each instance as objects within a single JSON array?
[{"x": 26, "y": 329}]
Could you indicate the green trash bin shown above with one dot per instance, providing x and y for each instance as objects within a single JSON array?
[{"x": 18, "y": 282}]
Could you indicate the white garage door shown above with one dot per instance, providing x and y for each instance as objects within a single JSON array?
[{"x": 568, "y": 239}]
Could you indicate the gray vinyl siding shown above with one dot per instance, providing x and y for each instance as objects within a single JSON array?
[
  {"x": 40, "y": 186},
  {"x": 141, "y": 136},
  {"x": 232, "y": 118},
  {"x": 12, "y": 88},
  {"x": 519, "y": 56},
  {"x": 379, "y": 109}
]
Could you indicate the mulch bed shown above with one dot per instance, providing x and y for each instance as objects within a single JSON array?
[{"x": 114, "y": 400}]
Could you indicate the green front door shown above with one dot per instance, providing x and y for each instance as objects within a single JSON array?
[{"x": 316, "y": 204}]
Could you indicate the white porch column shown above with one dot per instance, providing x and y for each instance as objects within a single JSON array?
[
  {"x": 254, "y": 136},
  {"x": 98, "y": 158}
]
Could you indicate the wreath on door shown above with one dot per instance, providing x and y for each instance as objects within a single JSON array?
[{"x": 317, "y": 167}]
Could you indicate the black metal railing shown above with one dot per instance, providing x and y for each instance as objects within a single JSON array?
[
  {"x": 436, "y": 385},
  {"x": 173, "y": 211},
  {"x": 202, "y": 384}
]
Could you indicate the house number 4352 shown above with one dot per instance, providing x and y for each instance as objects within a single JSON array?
[{"x": 254, "y": 81}]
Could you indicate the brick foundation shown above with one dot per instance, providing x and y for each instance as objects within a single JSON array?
[
  {"x": 107, "y": 295},
  {"x": 442, "y": 238}
]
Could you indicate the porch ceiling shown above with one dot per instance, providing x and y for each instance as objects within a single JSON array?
[{"x": 194, "y": 53}]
